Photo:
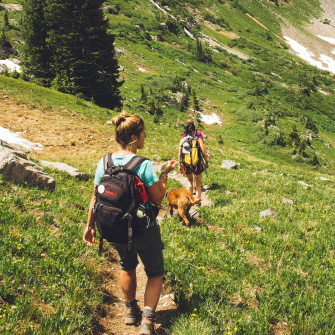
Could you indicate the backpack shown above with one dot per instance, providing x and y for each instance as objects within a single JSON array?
[
  {"x": 119, "y": 209},
  {"x": 191, "y": 153}
]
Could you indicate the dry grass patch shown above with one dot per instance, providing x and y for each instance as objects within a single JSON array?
[{"x": 64, "y": 134}]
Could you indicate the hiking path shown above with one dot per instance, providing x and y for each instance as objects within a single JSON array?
[{"x": 112, "y": 312}]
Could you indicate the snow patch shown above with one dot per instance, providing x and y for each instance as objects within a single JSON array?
[
  {"x": 327, "y": 39},
  {"x": 15, "y": 138},
  {"x": 142, "y": 70},
  {"x": 10, "y": 65},
  {"x": 323, "y": 92},
  {"x": 210, "y": 119},
  {"x": 308, "y": 56}
]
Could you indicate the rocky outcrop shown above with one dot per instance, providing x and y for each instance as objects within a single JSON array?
[
  {"x": 177, "y": 100},
  {"x": 73, "y": 172},
  {"x": 17, "y": 168}
]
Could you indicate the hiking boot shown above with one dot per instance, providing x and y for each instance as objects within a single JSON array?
[
  {"x": 134, "y": 313},
  {"x": 148, "y": 322}
]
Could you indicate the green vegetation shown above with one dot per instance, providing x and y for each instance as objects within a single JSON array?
[
  {"x": 234, "y": 272},
  {"x": 239, "y": 273},
  {"x": 48, "y": 284},
  {"x": 68, "y": 47}
]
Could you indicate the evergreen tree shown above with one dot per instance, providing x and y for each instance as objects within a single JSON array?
[
  {"x": 196, "y": 110},
  {"x": 314, "y": 160},
  {"x": 37, "y": 55},
  {"x": 202, "y": 53},
  {"x": 80, "y": 49},
  {"x": 144, "y": 96}
]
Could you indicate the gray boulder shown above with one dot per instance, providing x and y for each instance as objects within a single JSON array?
[
  {"x": 228, "y": 165},
  {"x": 17, "y": 168},
  {"x": 73, "y": 172}
]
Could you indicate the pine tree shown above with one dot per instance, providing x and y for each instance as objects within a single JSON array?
[
  {"x": 144, "y": 96},
  {"x": 196, "y": 110},
  {"x": 37, "y": 55},
  {"x": 81, "y": 51}
]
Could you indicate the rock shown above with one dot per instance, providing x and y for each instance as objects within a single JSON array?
[
  {"x": 17, "y": 168},
  {"x": 304, "y": 184},
  {"x": 286, "y": 201},
  {"x": 258, "y": 229},
  {"x": 193, "y": 213},
  {"x": 228, "y": 165},
  {"x": 177, "y": 100},
  {"x": 18, "y": 149},
  {"x": 73, "y": 172},
  {"x": 322, "y": 178},
  {"x": 118, "y": 52},
  {"x": 268, "y": 212}
]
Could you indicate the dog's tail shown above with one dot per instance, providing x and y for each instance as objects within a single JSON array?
[{"x": 193, "y": 202}]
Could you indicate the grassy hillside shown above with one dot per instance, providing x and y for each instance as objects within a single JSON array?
[
  {"x": 234, "y": 272},
  {"x": 272, "y": 103}
]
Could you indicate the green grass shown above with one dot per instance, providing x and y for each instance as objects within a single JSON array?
[
  {"x": 46, "y": 99},
  {"x": 227, "y": 277},
  {"x": 242, "y": 281},
  {"x": 48, "y": 282}
]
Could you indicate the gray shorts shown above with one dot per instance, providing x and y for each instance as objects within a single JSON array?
[{"x": 149, "y": 247}]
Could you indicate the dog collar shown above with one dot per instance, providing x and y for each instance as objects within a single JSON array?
[{"x": 167, "y": 194}]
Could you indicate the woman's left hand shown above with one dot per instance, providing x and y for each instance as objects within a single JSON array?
[{"x": 169, "y": 166}]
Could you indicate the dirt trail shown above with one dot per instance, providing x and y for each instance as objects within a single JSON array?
[{"x": 111, "y": 314}]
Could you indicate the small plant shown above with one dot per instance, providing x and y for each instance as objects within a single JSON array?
[
  {"x": 6, "y": 20},
  {"x": 314, "y": 160},
  {"x": 144, "y": 96}
]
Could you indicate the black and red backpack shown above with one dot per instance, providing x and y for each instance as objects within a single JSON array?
[{"x": 119, "y": 210}]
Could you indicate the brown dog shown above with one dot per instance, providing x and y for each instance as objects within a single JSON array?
[{"x": 181, "y": 199}]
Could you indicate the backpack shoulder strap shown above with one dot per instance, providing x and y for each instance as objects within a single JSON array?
[
  {"x": 134, "y": 163},
  {"x": 108, "y": 162}
]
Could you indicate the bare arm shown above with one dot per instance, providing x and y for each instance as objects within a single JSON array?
[
  {"x": 203, "y": 150},
  {"x": 157, "y": 190},
  {"x": 181, "y": 169},
  {"x": 89, "y": 234}
]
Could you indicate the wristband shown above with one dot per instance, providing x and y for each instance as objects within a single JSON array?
[{"x": 163, "y": 175}]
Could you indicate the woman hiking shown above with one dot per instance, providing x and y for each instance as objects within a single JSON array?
[
  {"x": 130, "y": 135},
  {"x": 193, "y": 174}
]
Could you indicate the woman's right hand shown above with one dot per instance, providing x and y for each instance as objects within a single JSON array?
[{"x": 89, "y": 236}]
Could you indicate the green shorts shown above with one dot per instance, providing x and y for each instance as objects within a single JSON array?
[{"x": 149, "y": 247}]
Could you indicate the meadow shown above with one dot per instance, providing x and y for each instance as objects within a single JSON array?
[
  {"x": 233, "y": 272},
  {"x": 236, "y": 272}
]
